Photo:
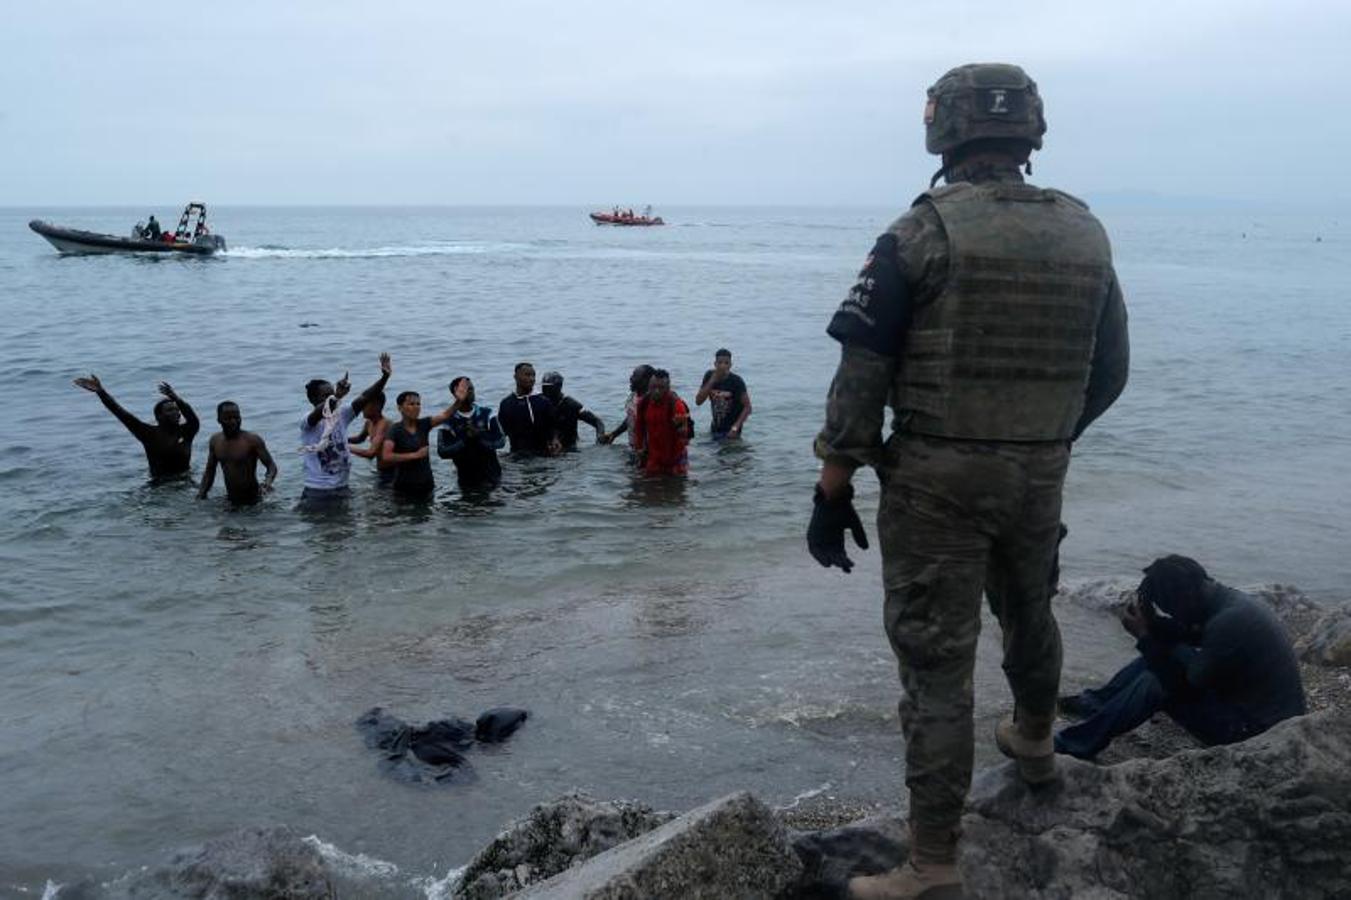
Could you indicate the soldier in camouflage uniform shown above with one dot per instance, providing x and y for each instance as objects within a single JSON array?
[{"x": 990, "y": 318}]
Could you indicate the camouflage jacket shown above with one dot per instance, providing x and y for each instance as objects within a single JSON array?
[{"x": 908, "y": 268}]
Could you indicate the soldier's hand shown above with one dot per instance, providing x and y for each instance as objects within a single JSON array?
[{"x": 830, "y": 519}]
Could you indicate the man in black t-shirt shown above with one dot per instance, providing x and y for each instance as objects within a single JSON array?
[
  {"x": 568, "y": 411},
  {"x": 406, "y": 447},
  {"x": 731, "y": 401}
]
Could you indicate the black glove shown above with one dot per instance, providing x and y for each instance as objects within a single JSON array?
[{"x": 825, "y": 534}]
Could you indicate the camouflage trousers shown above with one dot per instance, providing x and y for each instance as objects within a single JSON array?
[{"x": 958, "y": 518}]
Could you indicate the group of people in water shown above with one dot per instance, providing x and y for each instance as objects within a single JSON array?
[{"x": 469, "y": 434}]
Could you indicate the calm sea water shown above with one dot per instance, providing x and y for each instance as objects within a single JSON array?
[{"x": 171, "y": 668}]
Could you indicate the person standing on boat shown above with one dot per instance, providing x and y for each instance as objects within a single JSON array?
[
  {"x": 152, "y": 229},
  {"x": 167, "y": 443},
  {"x": 323, "y": 435},
  {"x": 238, "y": 452},
  {"x": 529, "y": 419}
]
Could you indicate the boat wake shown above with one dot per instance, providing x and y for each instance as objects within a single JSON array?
[{"x": 269, "y": 251}]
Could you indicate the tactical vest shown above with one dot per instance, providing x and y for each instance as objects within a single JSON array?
[{"x": 1003, "y": 352}]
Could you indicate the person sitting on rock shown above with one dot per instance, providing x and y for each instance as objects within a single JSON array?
[{"x": 1216, "y": 660}]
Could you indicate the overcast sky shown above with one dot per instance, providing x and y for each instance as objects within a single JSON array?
[{"x": 691, "y": 102}]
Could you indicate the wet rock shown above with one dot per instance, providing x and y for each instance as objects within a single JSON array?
[
  {"x": 1328, "y": 641},
  {"x": 1101, "y": 594},
  {"x": 498, "y": 724},
  {"x": 1266, "y": 818},
  {"x": 247, "y": 864},
  {"x": 733, "y": 847},
  {"x": 553, "y": 837}
]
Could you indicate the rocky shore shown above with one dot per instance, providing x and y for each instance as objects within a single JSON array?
[{"x": 1157, "y": 817}]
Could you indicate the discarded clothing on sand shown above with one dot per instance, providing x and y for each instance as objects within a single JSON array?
[{"x": 430, "y": 753}]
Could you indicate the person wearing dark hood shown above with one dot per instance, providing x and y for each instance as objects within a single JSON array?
[
  {"x": 568, "y": 412},
  {"x": 471, "y": 439},
  {"x": 167, "y": 443},
  {"x": 528, "y": 419},
  {"x": 1216, "y": 660},
  {"x": 238, "y": 453}
]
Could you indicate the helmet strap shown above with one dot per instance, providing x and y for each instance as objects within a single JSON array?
[
  {"x": 1027, "y": 167},
  {"x": 941, "y": 173}
]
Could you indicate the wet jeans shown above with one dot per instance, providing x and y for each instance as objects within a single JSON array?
[{"x": 1132, "y": 696}]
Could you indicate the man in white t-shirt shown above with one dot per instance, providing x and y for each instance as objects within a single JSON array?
[{"x": 323, "y": 435}]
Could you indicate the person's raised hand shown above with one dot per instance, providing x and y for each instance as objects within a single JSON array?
[
  {"x": 89, "y": 382},
  {"x": 831, "y": 517},
  {"x": 386, "y": 366},
  {"x": 343, "y": 386},
  {"x": 167, "y": 390}
]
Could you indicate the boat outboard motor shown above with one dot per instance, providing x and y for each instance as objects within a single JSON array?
[{"x": 210, "y": 240}]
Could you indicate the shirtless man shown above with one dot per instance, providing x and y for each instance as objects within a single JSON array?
[
  {"x": 373, "y": 428},
  {"x": 167, "y": 443},
  {"x": 239, "y": 452}
]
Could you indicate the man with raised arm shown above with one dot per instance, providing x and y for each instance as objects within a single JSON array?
[
  {"x": 471, "y": 439},
  {"x": 238, "y": 453},
  {"x": 167, "y": 443},
  {"x": 323, "y": 435}
]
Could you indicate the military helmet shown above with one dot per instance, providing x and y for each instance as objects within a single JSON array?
[{"x": 982, "y": 100}]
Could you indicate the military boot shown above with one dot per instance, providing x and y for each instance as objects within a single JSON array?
[
  {"x": 929, "y": 874},
  {"x": 1027, "y": 739}
]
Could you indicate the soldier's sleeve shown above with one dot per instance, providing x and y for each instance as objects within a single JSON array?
[
  {"x": 855, "y": 407},
  {"x": 876, "y": 310},
  {"x": 906, "y": 266},
  {"x": 1111, "y": 359}
]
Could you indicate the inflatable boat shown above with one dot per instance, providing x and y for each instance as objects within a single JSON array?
[
  {"x": 191, "y": 237},
  {"x": 626, "y": 217}
]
